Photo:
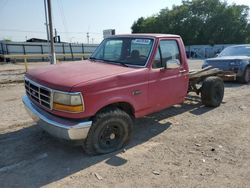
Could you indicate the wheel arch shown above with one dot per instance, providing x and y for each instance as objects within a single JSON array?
[
  {"x": 125, "y": 106},
  {"x": 246, "y": 65}
]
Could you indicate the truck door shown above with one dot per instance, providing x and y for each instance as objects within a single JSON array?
[{"x": 168, "y": 76}]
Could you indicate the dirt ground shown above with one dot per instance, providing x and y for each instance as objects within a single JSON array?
[{"x": 187, "y": 145}]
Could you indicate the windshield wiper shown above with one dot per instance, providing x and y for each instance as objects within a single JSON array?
[
  {"x": 123, "y": 64},
  {"x": 103, "y": 60},
  {"x": 117, "y": 62}
]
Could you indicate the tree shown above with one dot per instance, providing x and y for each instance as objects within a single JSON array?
[{"x": 200, "y": 22}]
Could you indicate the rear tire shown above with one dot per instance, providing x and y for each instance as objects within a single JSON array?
[
  {"x": 212, "y": 91},
  {"x": 110, "y": 131},
  {"x": 245, "y": 78}
]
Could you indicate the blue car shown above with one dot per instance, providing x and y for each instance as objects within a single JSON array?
[{"x": 234, "y": 59}]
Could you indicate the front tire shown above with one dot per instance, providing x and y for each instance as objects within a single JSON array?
[
  {"x": 110, "y": 131},
  {"x": 212, "y": 91}
]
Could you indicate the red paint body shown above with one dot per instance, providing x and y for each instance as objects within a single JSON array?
[{"x": 102, "y": 84}]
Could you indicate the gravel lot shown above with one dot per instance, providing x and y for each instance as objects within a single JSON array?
[{"x": 187, "y": 145}]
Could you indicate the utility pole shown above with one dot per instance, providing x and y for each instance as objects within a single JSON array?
[
  {"x": 88, "y": 37},
  {"x": 46, "y": 24},
  {"x": 53, "y": 54}
]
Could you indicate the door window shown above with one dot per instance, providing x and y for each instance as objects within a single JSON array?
[{"x": 168, "y": 53}]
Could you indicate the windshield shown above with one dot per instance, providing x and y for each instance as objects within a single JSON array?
[
  {"x": 125, "y": 50},
  {"x": 236, "y": 51}
]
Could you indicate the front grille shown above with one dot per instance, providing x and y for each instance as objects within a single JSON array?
[{"x": 38, "y": 93}]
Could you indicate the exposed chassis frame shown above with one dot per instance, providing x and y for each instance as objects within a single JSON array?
[{"x": 196, "y": 77}]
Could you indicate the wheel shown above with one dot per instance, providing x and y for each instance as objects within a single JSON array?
[
  {"x": 110, "y": 131},
  {"x": 212, "y": 91},
  {"x": 246, "y": 76}
]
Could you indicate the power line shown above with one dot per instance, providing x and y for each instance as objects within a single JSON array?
[
  {"x": 32, "y": 31},
  {"x": 81, "y": 32},
  {"x": 64, "y": 22},
  {"x": 21, "y": 31}
]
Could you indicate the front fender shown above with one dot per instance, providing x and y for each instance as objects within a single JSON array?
[
  {"x": 98, "y": 100},
  {"x": 243, "y": 67}
]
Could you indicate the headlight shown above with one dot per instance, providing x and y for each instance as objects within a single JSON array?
[{"x": 68, "y": 102}]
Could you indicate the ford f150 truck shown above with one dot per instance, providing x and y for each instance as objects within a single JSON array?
[{"x": 128, "y": 76}]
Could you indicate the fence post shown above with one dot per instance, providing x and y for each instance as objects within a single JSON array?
[
  {"x": 82, "y": 48},
  {"x": 42, "y": 52},
  {"x": 63, "y": 52},
  {"x": 3, "y": 51},
  {"x": 82, "y": 52},
  {"x": 7, "y": 52},
  {"x": 72, "y": 55},
  {"x": 24, "y": 51},
  {"x": 25, "y": 64}
]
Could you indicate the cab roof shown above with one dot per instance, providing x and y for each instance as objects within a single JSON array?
[{"x": 147, "y": 35}]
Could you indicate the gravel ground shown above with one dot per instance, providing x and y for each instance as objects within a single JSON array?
[{"x": 186, "y": 145}]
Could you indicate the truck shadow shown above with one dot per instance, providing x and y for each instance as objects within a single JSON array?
[
  {"x": 192, "y": 105},
  {"x": 32, "y": 158}
]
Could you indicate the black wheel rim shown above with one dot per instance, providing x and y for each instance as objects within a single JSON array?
[{"x": 111, "y": 137}]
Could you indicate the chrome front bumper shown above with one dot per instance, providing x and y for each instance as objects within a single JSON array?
[{"x": 59, "y": 127}]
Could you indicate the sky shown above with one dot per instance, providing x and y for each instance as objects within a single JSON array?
[{"x": 24, "y": 19}]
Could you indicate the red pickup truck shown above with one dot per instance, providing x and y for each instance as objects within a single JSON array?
[{"x": 128, "y": 76}]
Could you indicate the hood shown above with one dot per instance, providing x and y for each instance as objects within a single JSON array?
[
  {"x": 225, "y": 62},
  {"x": 225, "y": 58},
  {"x": 66, "y": 75}
]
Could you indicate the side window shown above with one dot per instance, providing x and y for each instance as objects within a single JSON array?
[{"x": 169, "y": 54}]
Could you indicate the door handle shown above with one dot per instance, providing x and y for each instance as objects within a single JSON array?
[{"x": 182, "y": 71}]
